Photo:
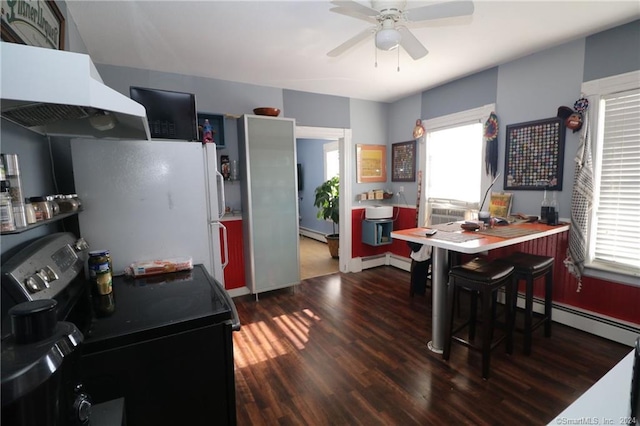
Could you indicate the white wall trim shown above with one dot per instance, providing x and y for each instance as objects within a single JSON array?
[
  {"x": 314, "y": 235},
  {"x": 613, "y": 84},
  {"x": 459, "y": 118},
  {"x": 343, "y": 136}
]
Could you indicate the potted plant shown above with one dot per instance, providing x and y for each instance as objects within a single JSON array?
[{"x": 328, "y": 203}]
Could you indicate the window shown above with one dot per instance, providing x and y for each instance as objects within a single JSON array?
[
  {"x": 613, "y": 244},
  {"x": 617, "y": 176},
  {"x": 331, "y": 160},
  {"x": 455, "y": 139},
  {"x": 459, "y": 145}
]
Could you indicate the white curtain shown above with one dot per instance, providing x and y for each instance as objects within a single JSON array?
[{"x": 581, "y": 198}]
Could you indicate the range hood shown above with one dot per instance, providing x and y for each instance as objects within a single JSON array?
[{"x": 55, "y": 92}]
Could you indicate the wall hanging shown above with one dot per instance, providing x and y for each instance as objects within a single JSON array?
[
  {"x": 36, "y": 23},
  {"x": 371, "y": 163},
  {"x": 534, "y": 155},
  {"x": 403, "y": 161}
]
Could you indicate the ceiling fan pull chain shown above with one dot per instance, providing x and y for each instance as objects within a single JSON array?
[{"x": 375, "y": 49}]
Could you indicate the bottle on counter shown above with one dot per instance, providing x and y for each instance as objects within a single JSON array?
[
  {"x": 55, "y": 208},
  {"x": 66, "y": 203},
  {"x": 100, "y": 268},
  {"x": 30, "y": 212},
  {"x": 12, "y": 173},
  {"x": 77, "y": 200},
  {"x": 6, "y": 209},
  {"x": 552, "y": 214},
  {"x": 544, "y": 207},
  {"x": 42, "y": 207}
]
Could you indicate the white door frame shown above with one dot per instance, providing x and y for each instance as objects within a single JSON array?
[{"x": 343, "y": 136}]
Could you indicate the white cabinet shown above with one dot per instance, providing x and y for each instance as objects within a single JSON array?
[{"x": 267, "y": 149}]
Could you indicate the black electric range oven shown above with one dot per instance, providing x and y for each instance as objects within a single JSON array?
[{"x": 166, "y": 348}]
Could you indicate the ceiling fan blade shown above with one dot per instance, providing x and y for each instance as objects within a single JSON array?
[
  {"x": 353, "y": 14},
  {"x": 442, "y": 10},
  {"x": 411, "y": 44},
  {"x": 357, "y": 7},
  {"x": 351, "y": 42}
]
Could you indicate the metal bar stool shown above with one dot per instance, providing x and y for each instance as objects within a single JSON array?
[
  {"x": 484, "y": 278},
  {"x": 530, "y": 267}
]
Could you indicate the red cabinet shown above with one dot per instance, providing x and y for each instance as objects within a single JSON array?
[{"x": 234, "y": 271}]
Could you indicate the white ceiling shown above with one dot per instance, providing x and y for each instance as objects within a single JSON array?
[{"x": 284, "y": 43}]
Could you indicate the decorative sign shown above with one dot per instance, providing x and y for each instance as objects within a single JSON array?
[
  {"x": 403, "y": 161},
  {"x": 33, "y": 22},
  {"x": 371, "y": 163},
  {"x": 534, "y": 155},
  {"x": 500, "y": 204}
]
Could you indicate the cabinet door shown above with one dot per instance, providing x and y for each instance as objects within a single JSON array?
[
  {"x": 234, "y": 272},
  {"x": 270, "y": 197}
]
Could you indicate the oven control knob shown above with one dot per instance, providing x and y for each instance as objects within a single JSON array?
[
  {"x": 82, "y": 408},
  {"x": 48, "y": 274},
  {"x": 35, "y": 283}
]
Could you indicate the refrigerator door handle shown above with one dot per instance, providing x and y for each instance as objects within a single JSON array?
[
  {"x": 220, "y": 186},
  {"x": 224, "y": 244}
]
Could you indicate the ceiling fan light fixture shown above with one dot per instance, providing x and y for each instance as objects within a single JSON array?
[{"x": 388, "y": 38}]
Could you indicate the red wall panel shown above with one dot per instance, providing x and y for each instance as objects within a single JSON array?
[
  {"x": 234, "y": 272},
  {"x": 603, "y": 297}
]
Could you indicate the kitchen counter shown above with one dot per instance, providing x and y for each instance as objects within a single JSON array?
[{"x": 231, "y": 216}]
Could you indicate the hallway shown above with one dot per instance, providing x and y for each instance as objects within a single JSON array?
[{"x": 315, "y": 259}]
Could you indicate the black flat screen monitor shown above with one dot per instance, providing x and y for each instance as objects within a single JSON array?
[{"x": 171, "y": 115}]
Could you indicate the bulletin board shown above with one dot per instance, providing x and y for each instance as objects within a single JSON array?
[
  {"x": 403, "y": 161},
  {"x": 534, "y": 155},
  {"x": 371, "y": 163}
]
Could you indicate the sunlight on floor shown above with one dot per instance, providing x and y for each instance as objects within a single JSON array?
[{"x": 267, "y": 341}]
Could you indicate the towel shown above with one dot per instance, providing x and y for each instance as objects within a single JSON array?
[{"x": 581, "y": 203}]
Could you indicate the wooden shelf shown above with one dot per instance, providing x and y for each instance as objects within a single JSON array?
[{"x": 41, "y": 223}]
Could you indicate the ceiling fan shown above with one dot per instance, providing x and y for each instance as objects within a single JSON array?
[{"x": 392, "y": 20}]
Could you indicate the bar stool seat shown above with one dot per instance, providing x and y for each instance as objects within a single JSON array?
[
  {"x": 530, "y": 267},
  {"x": 484, "y": 278}
]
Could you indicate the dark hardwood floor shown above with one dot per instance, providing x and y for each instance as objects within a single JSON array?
[{"x": 351, "y": 349}]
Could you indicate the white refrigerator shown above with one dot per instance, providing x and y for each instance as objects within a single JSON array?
[{"x": 146, "y": 200}]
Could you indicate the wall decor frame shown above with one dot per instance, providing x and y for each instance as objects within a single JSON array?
[
  {"x": 534, "y": 155},
  {"x": 371, "y": 163},
  {"x": 403, "y": 161},
  {"x": 33, "y": 23}
]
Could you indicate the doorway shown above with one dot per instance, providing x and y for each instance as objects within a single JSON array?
[{"x": 314, "y": 253}]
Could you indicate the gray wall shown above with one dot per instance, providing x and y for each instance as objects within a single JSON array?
[
  {"x": 311, "y": 156},
  {"x": 524, "y": 95},
  {"x": 315, "y": 110},
  {"x": 612, "y": 52},
  {"x": 369, "y": 123},
  {"x": 402, "y": 119},
  {"x": 466, "y": 93}
]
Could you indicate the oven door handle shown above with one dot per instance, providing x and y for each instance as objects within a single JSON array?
[{"x": 235, "y": 318}]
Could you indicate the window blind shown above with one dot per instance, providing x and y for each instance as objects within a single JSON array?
[{"x": 617, "y": 231}]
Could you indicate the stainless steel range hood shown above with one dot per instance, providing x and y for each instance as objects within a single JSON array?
[{"x": 55, "y": 92}]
